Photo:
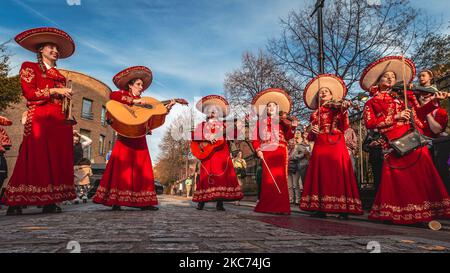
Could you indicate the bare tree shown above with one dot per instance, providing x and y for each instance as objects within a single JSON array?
[
  {"x": 259, "y": 72},
  {"x": 175, "y": 149},
  {"x": 355, "y": 34},
  {"x": 434, "y": 53},
  {"x": 10, "y": 91}
]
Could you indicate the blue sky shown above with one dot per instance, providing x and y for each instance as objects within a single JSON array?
[{"x": 190, "y": 45}]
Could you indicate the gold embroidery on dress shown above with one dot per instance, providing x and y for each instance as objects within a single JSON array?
[
  {"x": 220, "y": 192},
  {"x": 43, "y": 92},
  {"x": 29, "y": 120},
  {"x": 27, "y": 74},
  {"x": 126, "y": 196}
]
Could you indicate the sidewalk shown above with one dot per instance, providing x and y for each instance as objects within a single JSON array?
[{"x": 250, "y": 201}]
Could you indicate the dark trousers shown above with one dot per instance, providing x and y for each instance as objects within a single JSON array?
[{"x": 376, "y": 162}]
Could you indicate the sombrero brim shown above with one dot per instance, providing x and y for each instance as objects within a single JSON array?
[
  {"x": 33, "y": 38},
  {"x": 215, "y": 100},
  {"x": 122, "y": 78},
  {"x": 332, "y": 82},
  {"x": 394, "y": 64},
  {"x": 279, "y": 96}
]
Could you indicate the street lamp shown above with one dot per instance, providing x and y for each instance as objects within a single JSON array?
[
  {"x": 361, "y": 97},
  {"x": 318, "y": 9}
]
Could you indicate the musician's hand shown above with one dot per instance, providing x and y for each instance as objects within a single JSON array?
[
  {"x": 138, "y": 102},
  {"x": 213, "y": 140},
  {"x": 440, "y": 96},
  {"x": 346, "y": 104},
  {"x": 315, "y": 129},
  {"x": 66, "y": 92},
  {"x": 172, "y": 103},
  {"x": 294, "y": 123},
  {"x": 404, "y": 115},
  {"x": 260, "y": 154},
  {"x": 374, "y": 143}
]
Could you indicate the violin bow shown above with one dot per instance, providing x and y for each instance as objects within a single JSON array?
[
  {"x": 318, "y": 103},
  {"x": 404, "y": 81}
]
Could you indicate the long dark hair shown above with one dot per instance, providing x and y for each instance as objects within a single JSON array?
[{"x": 39, "y": 57}]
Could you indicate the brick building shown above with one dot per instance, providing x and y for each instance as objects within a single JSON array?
[{"x": 89, "y": 99}]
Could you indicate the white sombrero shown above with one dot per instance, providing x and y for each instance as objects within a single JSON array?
[
  {"x": 279, "y": 96},
  {"x": 215, "y": 100},
  {"x": 31, "y": 39},
  {"x": 394, "y": 64},
  {"x": 330, "y": 81},
  {"x": 122, "y": 78}
]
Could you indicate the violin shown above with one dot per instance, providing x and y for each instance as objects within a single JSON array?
[
  {"x": 287, "y": 120},
  {"x": 336, "y": 104},
  {"x": 398, "y": 89}
]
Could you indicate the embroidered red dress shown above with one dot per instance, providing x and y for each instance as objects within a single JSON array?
[
  {"x": 330, "y": 182},
  {"x": 128, "y": 178},
  {"x": 411, "y": 190},
  {"x": 218, "y": 180},
  {"x": 271, "y": 136},
  {"x": 43, "y": 173}
]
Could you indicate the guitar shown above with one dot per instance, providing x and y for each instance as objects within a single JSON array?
[
  {"x": 202, "y": 149},
  {"x": 137, "y": 120}
]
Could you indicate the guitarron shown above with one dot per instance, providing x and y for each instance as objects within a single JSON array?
[{"x": 137, "y": 120}]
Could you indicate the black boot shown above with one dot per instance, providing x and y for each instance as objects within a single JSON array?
[
  {"x": 149, "y": 208},
  {"x": 52, "y": 208},
  {"x": 219, "y": 206},
  {"x": 200, "y": 205},
  {"x": 343, "y": 216},
  {"x": 116, "y": 208},
  {"x": 14, "y": 210},
  {"x": 319, "y": 214}
]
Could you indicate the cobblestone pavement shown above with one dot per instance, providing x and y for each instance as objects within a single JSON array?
[{"x": 179, "y": 227}]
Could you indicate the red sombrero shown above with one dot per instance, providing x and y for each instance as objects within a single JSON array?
[
  {"x": 122, "y": 78},
  {"x": 213, "y": 100},
  {"x": 31, "y": 39},
  {"x": 279, "y": 96},
  {"x": 330, "y": 81},
  {"x": 394, "y": 64}
]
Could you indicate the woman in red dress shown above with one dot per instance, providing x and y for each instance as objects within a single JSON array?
[
  {"x": 43, "y": 174},
  {"x": 434, "y": 123},
  {"x": 128, "y": 178},
  {"x": 411, "y": 190},
  {"x": 270, "y": 138},
  {"x": 218, "y": 181},
  {"x": 330, "y": 184}
]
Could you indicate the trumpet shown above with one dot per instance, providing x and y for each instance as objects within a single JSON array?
[{"x": 67, "y": 105}]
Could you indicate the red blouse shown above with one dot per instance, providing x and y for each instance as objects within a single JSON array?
[
  {"x": 125, "y": 97},
  {"x": 441, "y": 117},
  {"x": 334, "y": 121},
  {"x": 216, "y": 128},
  {"x": 271, "y": 132},
  {"x": 380, "y": 111},
  {"x": 36, "y": 85}
]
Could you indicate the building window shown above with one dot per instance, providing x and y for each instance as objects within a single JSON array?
[
  {"x": 86, "y": 109},
  {"x": 87, "y": 150},
  {"x": 101, "y": 145},
  {"x": 103, "y": 116}
]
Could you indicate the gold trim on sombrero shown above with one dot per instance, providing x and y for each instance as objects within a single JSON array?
[
  {"x": 394, "y": 64},
  {"x": 277, "y": 95},
  {"x": 213, "y": 100},
  {"x": 32, "y": 38},
  {"x": 122, "y": 78},
  {"x": 334, "y": 83}
]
